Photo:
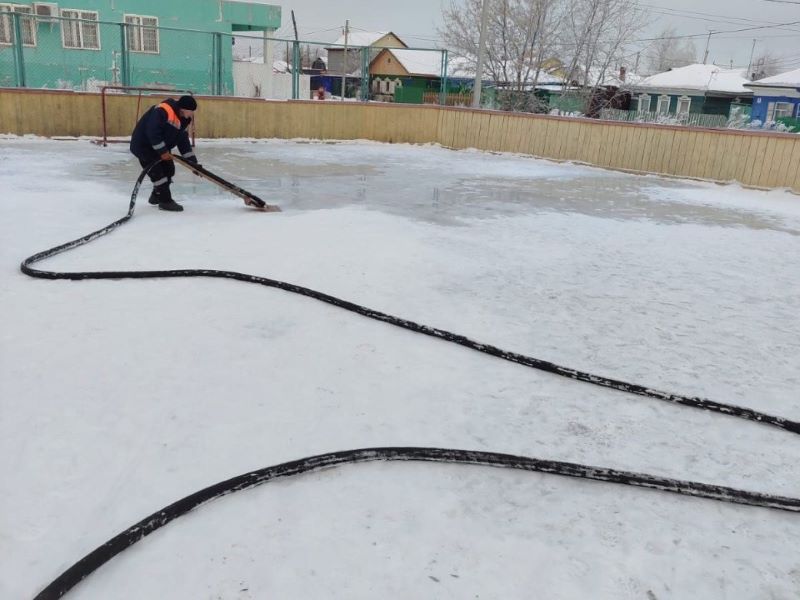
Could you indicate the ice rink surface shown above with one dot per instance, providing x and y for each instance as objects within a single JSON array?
[{"x": 120, "y": 397}]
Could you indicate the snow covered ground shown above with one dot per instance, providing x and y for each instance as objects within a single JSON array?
[{"x": 119, "y": 397}]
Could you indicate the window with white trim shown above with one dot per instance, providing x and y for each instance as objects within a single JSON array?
[
  {"x": 26, "y": 24},
  {"x": 776, "y": 110},
  {"x": 6, "y": 26},
  {"x": 684, "y": 104},
  {"x": 643, "y": 103},
  {"x": 78, "y": 31},
  {"x": 142, "y": 33},
  {"x": 663, "y": 105}
]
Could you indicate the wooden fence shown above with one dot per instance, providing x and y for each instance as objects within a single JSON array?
[{"x": 765, "y": 160}]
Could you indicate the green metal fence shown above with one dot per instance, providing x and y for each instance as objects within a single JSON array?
[{"x": 77, "y": 53}]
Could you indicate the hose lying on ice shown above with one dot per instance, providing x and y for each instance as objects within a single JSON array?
[{"x": 92, "y": 561}]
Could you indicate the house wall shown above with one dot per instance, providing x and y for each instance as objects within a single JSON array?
[
  {"x": 761, "y": 104},
  {"x": 709, "y": 105},
  {"x": 184, "y": 59},
  {"x": 386, "y": 64},
  {"x": 336, "y": 55},
  {"x": 696, "y": 105},
  {"x": 761, "y": 159},
  {"x": 716, "y": 106},
  {"x": 254, "y": 80}
]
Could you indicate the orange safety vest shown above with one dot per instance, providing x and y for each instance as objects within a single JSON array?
[{"x": 172, "y": 118}]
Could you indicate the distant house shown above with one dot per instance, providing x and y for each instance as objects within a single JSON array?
[
  {"x": 697, "y": 88},
  {"x": 405, "y": 75},
  {"x": 355, "y": 41},
  {"x": 777, "y": 98}
]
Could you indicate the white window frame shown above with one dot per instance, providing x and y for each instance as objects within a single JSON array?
[
  {"x": 135, "y": 33},
  {"x": 786, "y": 107},
  {"x": 643, "y": 103},
  {"x": 27, "y": 25},
  {"x": 78, "y": 18},
  {"x": 6, "y": 26},
  {"x": 681, "y": 100},
  {"x": 663, "y": 99}
]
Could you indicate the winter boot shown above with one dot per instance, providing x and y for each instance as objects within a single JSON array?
[
  {"x": 153, "y": 199},
  {"x": 170, "y": 205},
  {"x": 165, "y": 201}
]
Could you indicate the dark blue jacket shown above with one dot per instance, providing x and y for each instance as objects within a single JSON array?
[{"x": 156, "y": 133}]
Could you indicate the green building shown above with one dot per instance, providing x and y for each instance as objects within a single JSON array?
[
  {"x": 85, "y": 44},
  {"x": 693, "y": 89}
]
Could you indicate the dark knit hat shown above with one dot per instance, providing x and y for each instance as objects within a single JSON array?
[{"x": 187, "y": 102}]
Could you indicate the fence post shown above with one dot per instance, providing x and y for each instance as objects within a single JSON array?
[
  {"x": 125, "y": 76},
  {"x": 19, "y": 59},
  {"x": 218, "y": 63},
  {"x": 297, "y": 67},
  {"x": 443, "y": 80},
  {"x": 364, "y": 73}
]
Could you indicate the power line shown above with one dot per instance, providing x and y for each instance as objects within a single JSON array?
[
  {"x": 705, "y": 14},
  {"x": 697, "y": 35}
]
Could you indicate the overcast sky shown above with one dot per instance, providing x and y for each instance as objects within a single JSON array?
[{"x": 417, "y": 21}]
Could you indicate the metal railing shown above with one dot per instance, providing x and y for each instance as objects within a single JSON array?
[
  {"x": 657, "y": 118},
  {"x": 57, "y": 52}
]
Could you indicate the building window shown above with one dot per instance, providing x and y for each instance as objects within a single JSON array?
[
  {"x": 684, "y": 104},
  {"x": 643, "y": 103},
  {"x": 27, "y": 24},
  {"x": 776, "y": 110},
  {"x": 79, "y": 31},
  {"x": 663, "y": 105},
  {"x": 142, "y": 33},
  {"x": 6, "y": 26}
]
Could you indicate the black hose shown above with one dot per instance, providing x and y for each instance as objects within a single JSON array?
[
  {"x": 101, "y": 555},
  {"x": 528, "y": 361},
  {"x": 92, "y": 561}
]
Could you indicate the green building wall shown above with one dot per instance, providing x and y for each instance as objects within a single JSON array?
[
  {"x": 194, "y": 47},
  {"x": 708, "y": 105}
]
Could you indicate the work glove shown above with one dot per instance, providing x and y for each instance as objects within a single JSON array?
[{"x": 166, "y": 156}]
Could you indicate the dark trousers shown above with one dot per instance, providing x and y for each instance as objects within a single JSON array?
[{"x": 161, "y": 174}]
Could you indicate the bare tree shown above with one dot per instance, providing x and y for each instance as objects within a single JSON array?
[
  {"x": 595, "y": 42},
  {"x": 766, "y": 65},
  {"x": 669, "y": 52},
  {"x": 597, "y": 36},
  {"x": 521, "y": 36},
  {"x": 589, "y": 37}
]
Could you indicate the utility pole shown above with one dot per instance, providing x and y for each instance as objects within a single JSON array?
[
  {"x": 344, "y": 62},
  {"x": 476, "y": 87},
  {"x": 708, "y": 41},
  {"x": 750, "y": 63}
]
